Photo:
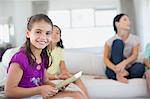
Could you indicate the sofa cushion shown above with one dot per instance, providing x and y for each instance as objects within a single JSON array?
[{"x": 108, "y": 88}]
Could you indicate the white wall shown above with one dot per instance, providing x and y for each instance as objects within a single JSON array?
[
  {"x": 6, "y": 12},
  {"x": 142, "y": 10},
  {"x": 19, "y": 10},
  {"x": 127, "y": 7},
  {"x": 22, "y": 11},
  {"x": 78, "y": 4}
]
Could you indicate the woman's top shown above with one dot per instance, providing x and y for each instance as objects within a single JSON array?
[
  {"x": 147, "y": 51},
  {"x": 130, "y": 43}
]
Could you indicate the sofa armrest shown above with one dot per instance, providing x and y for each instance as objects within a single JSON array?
[{"x": 2, "y": 74}]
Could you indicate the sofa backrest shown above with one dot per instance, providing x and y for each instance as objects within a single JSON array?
[
  {"x": 8, "y": 55},
  {"x": 4, "y": 63},
  {"x": 88, "y": 61}
]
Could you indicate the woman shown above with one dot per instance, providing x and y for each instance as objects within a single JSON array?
[
  {"x": 121, "y": 51},
  {"x": 147, "y": 64}
]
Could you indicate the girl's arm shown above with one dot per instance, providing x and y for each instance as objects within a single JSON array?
[
  {"x": 47, "y": 78},
  {"x": 13, "y": 78},
  {"x": 106, "y": 58},
  {"x": 64, "y": 73},
  {"x": 11, "y": 88},
  {"x": 63, "y": 68}
]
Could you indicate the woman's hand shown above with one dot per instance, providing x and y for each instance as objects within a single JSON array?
[
  {"x": 119, "y": 67},
  {"x": 48, "y": 91},
  {"x": 123, "y": 73}
]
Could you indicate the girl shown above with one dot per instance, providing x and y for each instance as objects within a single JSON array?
[
  {"x": 121, "y": 51},
  {"x": 57, "y": 68},
  {"x": 26, "y": 72},
  {"x": 147, "y": 64}
]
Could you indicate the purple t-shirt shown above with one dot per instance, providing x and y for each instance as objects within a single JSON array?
[{"x": 32, "y": 75}]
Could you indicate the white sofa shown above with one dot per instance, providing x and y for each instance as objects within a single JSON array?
[{"x": 89, "y": 60}]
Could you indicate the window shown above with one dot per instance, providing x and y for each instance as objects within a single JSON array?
[
  {"x": 6, "y": 30},
  {"x": 85, "y": 27},
  {"x": 60, "y": 18},
  {"x": 4, "y": 33},
  {"x": 82, "y": 18},
  {"x": 104, "y": 17}
]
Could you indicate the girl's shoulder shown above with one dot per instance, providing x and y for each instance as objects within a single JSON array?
[
  {"x": 21, "y": 52},
  {"x": 20, "y": 56}
]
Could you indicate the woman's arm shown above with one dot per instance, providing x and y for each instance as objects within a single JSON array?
[
  {"x": 106, "y": 58},
  {"x": 147, "y": 55},
  {"x": 133, "y": 57},
  {"x": 146, "y": 62}
]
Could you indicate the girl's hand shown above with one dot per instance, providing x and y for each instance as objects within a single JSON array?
[
  {"x": 50, "y": 83},
  {"x": 64, "y": 75},
  {"x": 48, "y": 91}
]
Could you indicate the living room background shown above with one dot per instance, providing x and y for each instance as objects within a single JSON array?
[{"x": 82, "y": 25}]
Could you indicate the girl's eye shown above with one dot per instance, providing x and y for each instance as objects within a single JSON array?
[
  {"x": 48, "y": 33},
  {"x": 38, "y": 32}
]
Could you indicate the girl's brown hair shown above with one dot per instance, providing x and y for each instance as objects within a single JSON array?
[{"x": 31, "y": 20}]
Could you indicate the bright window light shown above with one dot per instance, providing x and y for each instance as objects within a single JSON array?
[
  {"x": 82, "y": 17},
  {"x": 60, "y": 17},
  {"x": 104, "y": 17},
  {"x": 4, "y": 33},
  {"x": 85, "y": 27}
]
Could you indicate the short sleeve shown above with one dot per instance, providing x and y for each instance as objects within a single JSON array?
[
  {"x": 110, "y": 40},
  {"x": 147, "y": 51},
  {"x": 21, "y": 59},
  {"x": 136, "y": 40}
]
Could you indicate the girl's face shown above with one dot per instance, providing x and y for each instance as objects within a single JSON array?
[
  {"x": 124, "y": 23},
  {"x": 40, "y": 34},
  {"x": 55, "y": 37}
]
